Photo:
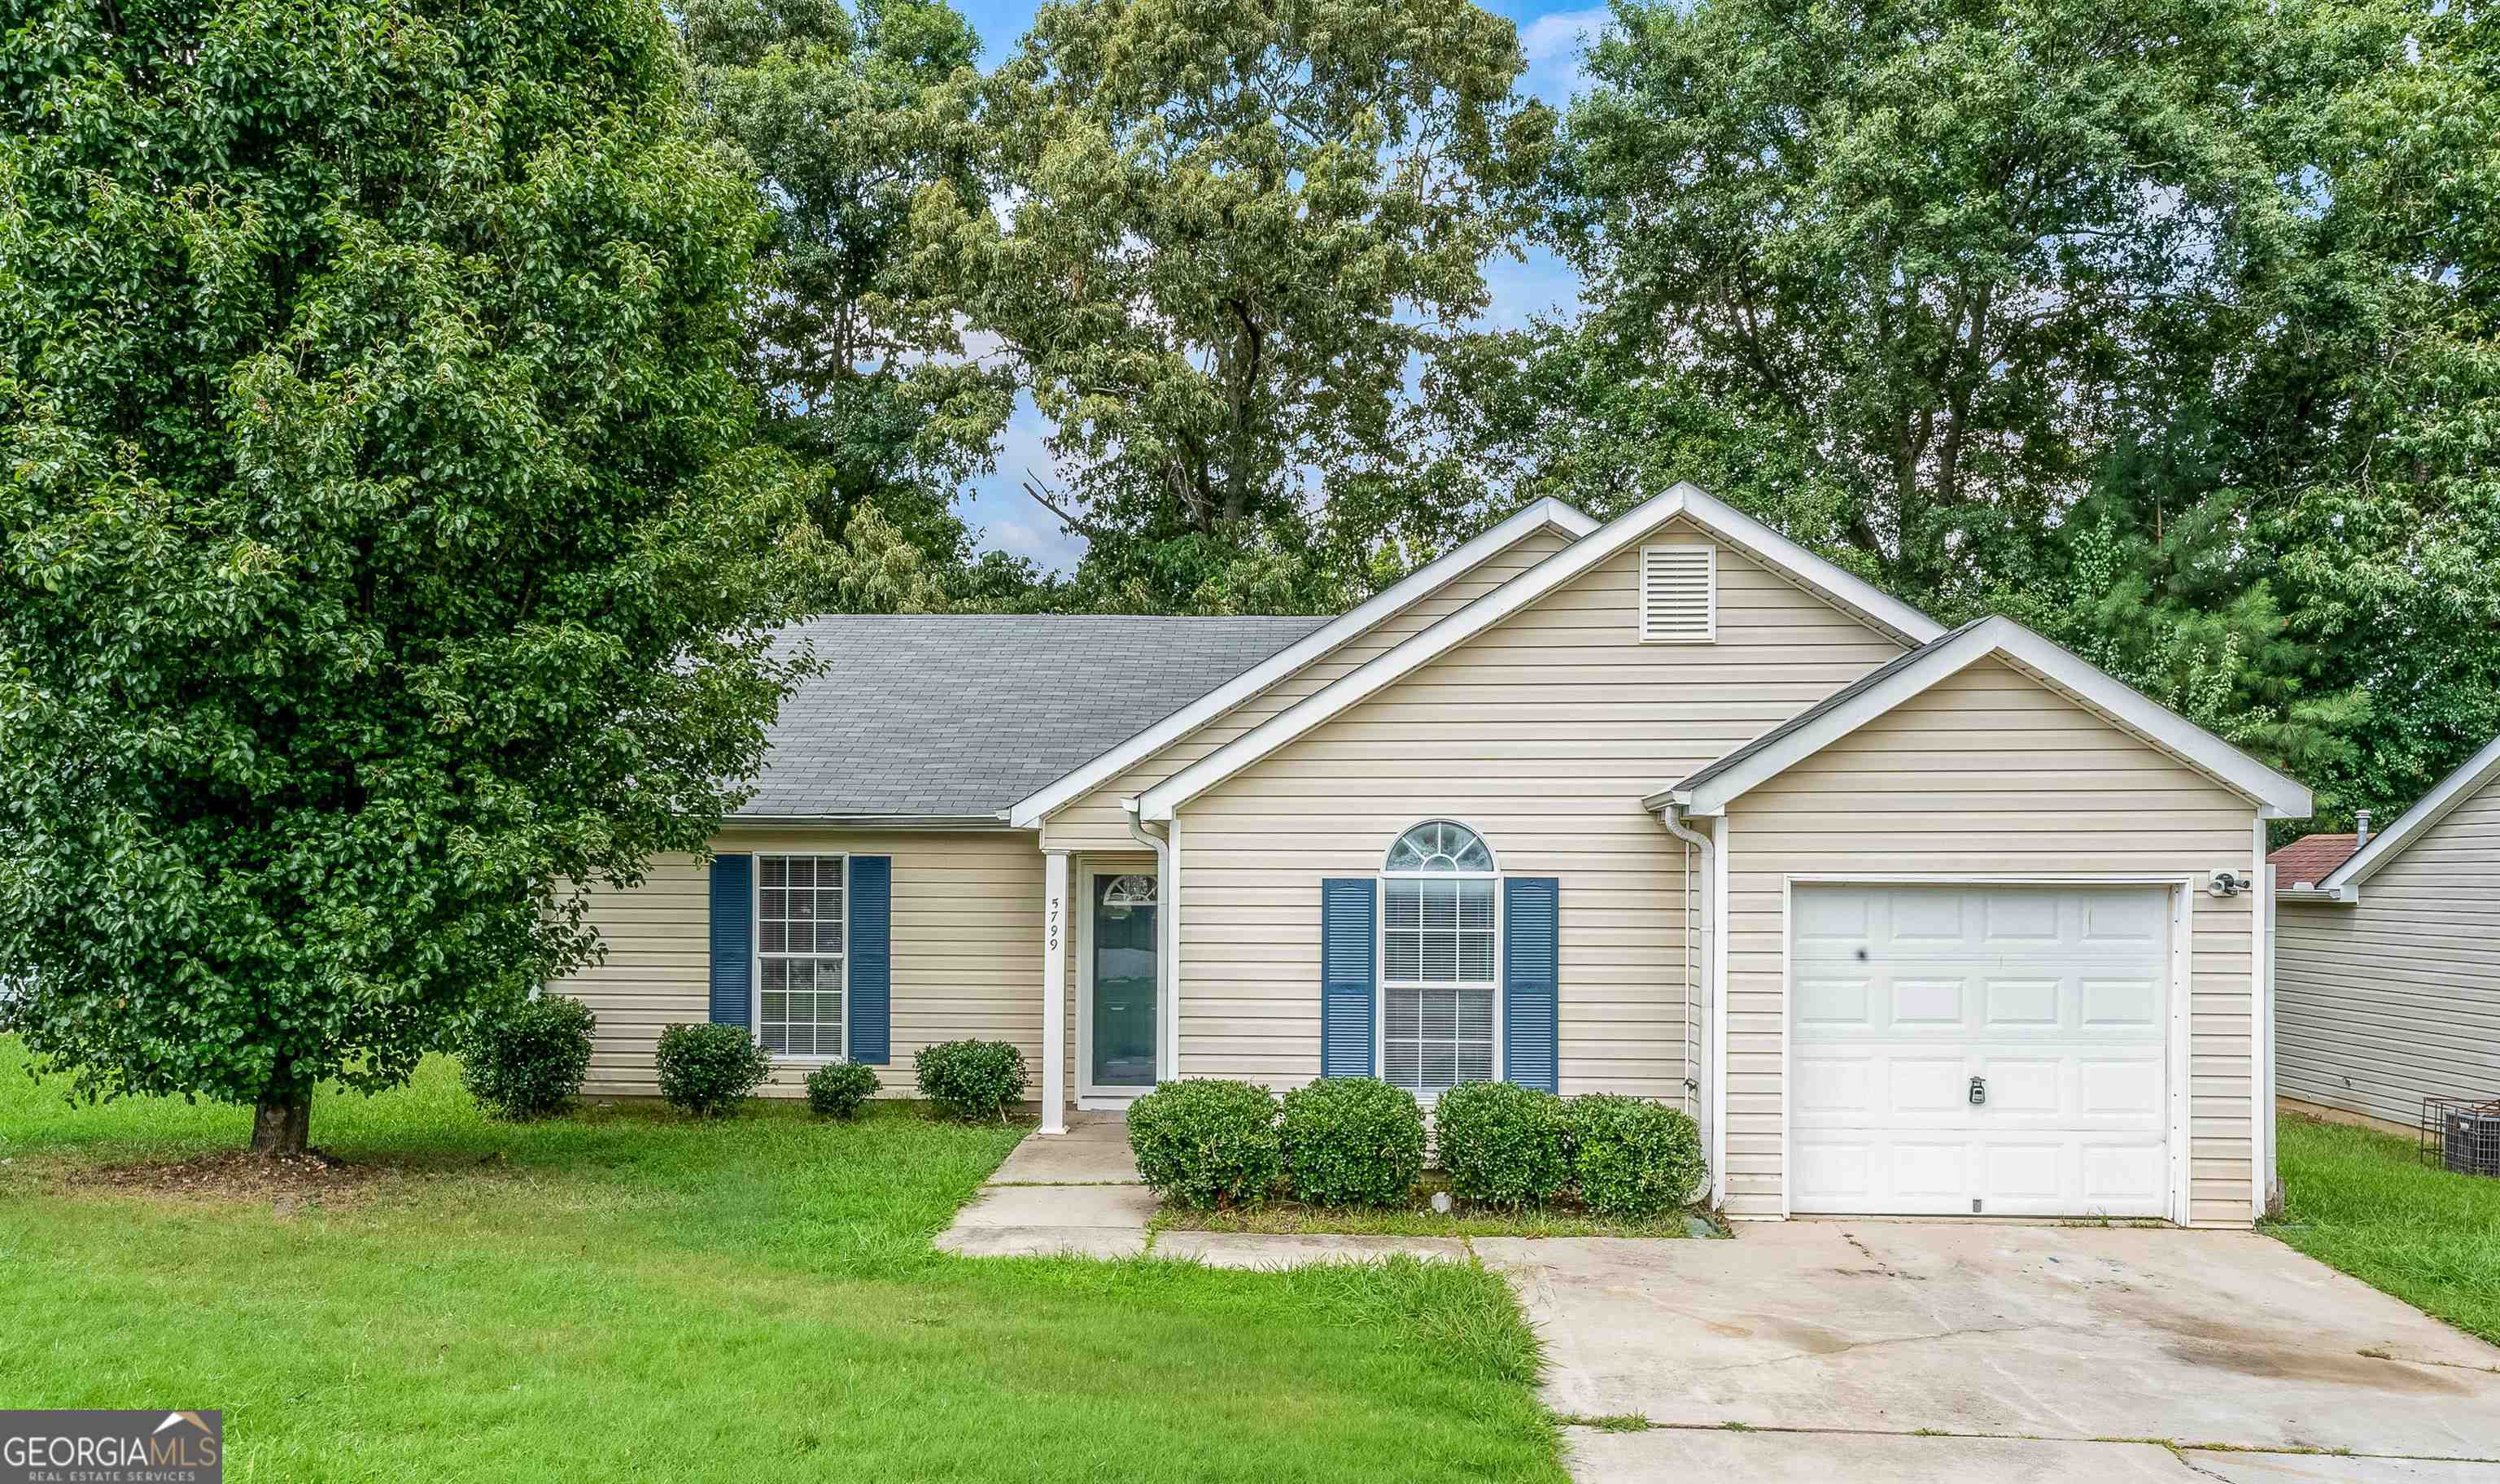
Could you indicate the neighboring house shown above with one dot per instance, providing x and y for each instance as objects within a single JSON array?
[
  {"x": 2389, "y": 973},
  {"x": 1911, "y": 920}
]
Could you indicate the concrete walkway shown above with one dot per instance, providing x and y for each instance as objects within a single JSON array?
[
  {"x": 1077, "y": 1195},
  {"x": 1874, "y": 1350}
]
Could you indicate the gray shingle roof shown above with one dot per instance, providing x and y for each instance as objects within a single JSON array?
[
  {"x": 1832, "y": 702},
  {"x": 948, "y": 716}
]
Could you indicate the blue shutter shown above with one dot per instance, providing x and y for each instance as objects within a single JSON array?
[
  {"x": 1347, "y": 948},
  {"x": 1532, "y": 976},
  {"x": 733, "y": 940},
  {"x": 871, "y": 960}
]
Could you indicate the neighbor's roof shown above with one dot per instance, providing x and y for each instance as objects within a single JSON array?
[
  {"x": 2444, "y": 797},
  {"x": 960, "y": 716},
  {"x": 2310, "y": 858}
]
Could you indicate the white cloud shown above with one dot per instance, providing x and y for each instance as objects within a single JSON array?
[
  {"x": 1555, "y": 46},
  {"x": 1004, "y": 514}
]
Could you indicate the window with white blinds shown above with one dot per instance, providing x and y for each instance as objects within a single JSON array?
[
  {"x": 1437, "y": 960},
  {"x": 801, "y": 916},
  {"x": 1679, "y": 594}
]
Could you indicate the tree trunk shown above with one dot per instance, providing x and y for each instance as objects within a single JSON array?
[{"x": 280, "y": 1129}]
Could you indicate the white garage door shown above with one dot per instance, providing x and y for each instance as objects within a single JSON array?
[{"x": 1991, "y": 1049}]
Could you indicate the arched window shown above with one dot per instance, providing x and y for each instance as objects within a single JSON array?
[
  {"x": 1439, "y": 847},
  {"x": 1437, "y": 973}
]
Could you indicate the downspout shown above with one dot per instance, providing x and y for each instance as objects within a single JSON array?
[
  {"x": 1167, "y": 941},
  {"x": 1697, "y": 844}
]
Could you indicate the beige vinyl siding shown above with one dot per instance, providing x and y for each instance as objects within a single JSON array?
[
  {"x": 2396, "y": 997},
  {"x": 1543, "y": 733},
  {"x": 1991, "y": 773},
  {"x": 967, "y": 926},
  {"x": 1097, "y": 821}
]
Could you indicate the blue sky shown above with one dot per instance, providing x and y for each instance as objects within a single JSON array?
[{"x": 1007, "y": 517}]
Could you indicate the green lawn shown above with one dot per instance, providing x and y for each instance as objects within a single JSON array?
[
  {"x": 629, "y": 1294},
  {"x": 2362, "y": 1201}
]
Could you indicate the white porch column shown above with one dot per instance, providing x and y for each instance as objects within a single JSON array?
[{"x": 1054, "y": 992}]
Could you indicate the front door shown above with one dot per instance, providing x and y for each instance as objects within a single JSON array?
[{"x": 1123, "y": 1052}]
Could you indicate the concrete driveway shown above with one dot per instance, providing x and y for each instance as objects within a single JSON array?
[{"x": 1878, "y": 1350}]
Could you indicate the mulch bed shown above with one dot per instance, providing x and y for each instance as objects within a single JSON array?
[{"x": 238, "y": 1176}]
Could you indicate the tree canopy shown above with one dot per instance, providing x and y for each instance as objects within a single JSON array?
[
  {"x": 1216, "y": 239},
  {"x": 846, "y": 117},
  {"x": 383, "y": 553}
]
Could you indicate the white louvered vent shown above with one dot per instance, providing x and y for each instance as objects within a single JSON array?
[{"x": 1679, "y": 594}]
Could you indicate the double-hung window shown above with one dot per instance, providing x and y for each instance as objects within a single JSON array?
[
  {"x": 800, "y": 918},
  {"x": 1438, "y": 984}
]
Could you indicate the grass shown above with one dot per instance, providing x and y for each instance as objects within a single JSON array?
[
  {"x": 629, "y": 1293},
  {"x": 2362, "y": 1201},
  {"x": 1419, "y": 1220}
]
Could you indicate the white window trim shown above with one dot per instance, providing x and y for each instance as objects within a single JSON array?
[
  {"x": 1709, "y": 593},
  {"x": 756, "y": 955},
  {"x": 1382, "y": 984}
]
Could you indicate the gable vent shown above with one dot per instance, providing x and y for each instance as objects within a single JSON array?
[{"x": 1679, "y": 594}]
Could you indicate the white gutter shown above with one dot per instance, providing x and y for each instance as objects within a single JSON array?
[
  {"x": 945, "y": 821},
  {"x": 1714, "y": 1131}
]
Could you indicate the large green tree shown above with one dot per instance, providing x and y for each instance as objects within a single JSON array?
[
  {"x": 2166, "y": 325},
  {"x": 382, "y": 562},
  {"x": 1937, "y": 247},
  {"x": 846, "y": 117},
  {"x": 1219, "y": 239}
]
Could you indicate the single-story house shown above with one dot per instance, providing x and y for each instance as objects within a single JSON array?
[
  {"x": 2389, "y": 982},
  {"x": 1911, "y": 920}
]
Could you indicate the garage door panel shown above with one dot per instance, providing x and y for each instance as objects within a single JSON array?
[
  {"x": 2020, "y": 922},
  {"x": 1927, "y": 1000},
  {"x": 2057, "y": 997},
  {"x": 2132, "y": 1003},
  {"x": 2016, "y": 1004},
  {"x": 1826, "y": 1001}
]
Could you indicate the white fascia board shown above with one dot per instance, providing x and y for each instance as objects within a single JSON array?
[
  {"x": 1712, "y": 798},
  {"x": 2431, "y": 808},
  {"x": 1802, "y": 566},
  {"x": 1714, "y": 516},
  {"x": 1028, "y": 812},
  {"x": 2277, "y": 796}
]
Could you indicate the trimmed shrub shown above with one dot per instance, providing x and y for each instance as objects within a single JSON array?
[
  {"x": 970, "y": 1079},
  {"x": 529, "y": 1061},
  {"x": 1206, "y": 1143},
  {"x": 837, "y": 1088},
  {"x": 1502, "y": 1143},
  {"x": 1631, "y": 1159},
  {"x": 1352, "y": 1140},
  {"x": 707, "y": 1069}
]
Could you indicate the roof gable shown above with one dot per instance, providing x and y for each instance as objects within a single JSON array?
[
  {"x": 1715, "y": 519},
  {"x": 2431, "y": 808},
  {"x": 1709, "y": 791},
  {"x": 1127, "y": 751}
]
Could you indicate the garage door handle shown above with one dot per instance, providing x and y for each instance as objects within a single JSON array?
[{"x": 1978, "y": 1090}]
